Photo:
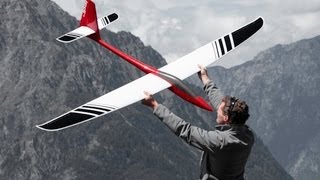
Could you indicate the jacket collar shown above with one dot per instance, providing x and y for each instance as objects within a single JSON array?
[
  {"x": 223, "y": 127},
  {"x": 228, "y": 126}
]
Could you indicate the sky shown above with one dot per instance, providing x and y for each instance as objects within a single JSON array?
[{"x": 177, "y": 27}]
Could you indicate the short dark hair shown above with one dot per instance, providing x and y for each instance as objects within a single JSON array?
[{"x": 236, "y": 109}]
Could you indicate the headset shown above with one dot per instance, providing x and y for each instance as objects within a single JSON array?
[{"x": 232, "y": 114}]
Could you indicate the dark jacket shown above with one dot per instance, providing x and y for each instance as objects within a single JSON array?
[{"x": 225, "y": 149}]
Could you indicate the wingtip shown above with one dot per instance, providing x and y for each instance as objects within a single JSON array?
[
  {"x": 112, "y": 17},
  {"x": 65, "y": 39},
  {"x": 39, "y": 127},
  {"x": 261, "y": 19},
  {"x": 42, "y": 127}
]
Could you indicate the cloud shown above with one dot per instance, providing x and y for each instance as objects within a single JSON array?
[{"x": 305, "y": 22}]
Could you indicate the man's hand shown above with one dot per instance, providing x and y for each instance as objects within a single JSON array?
[
  {"x": 149, "y": 100},
  {"x": 203, "y": 74}
]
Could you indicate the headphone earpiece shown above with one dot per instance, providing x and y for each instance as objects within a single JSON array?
[{"x": 232, "y": 114}]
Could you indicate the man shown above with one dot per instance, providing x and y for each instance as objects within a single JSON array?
[{"x": 225, "y": 149}]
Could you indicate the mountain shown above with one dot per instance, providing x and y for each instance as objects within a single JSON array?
[
  {"x": 42, "y": 78},
  {"x": 281, "y": 86}
]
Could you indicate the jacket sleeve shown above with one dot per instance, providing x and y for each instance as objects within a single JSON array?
[
  {"x": 195, "y": 136},
  {"x": 214, "y": 94}
]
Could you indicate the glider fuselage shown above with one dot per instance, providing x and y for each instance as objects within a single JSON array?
[{"x": 177, "y": 85}]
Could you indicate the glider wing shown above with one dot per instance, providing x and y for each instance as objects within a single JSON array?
[
  {"x": 112, "y": 101},
  {"x": 212, "y": 51}
]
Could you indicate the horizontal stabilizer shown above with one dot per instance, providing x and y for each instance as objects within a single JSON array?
[
  {"x": 76, "y": 34},
  {"x": 106, "y": 20},
  {"x": 84, "y": 31}
]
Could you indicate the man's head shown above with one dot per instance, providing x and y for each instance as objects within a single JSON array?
[{"x": 232, "y": 111}]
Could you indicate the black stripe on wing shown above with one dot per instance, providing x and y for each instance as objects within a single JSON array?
[
  {"x": 217, "y": 50},
  {"x": 228, "y": 42},
  {"x": 89, "y": 111},
  {"x": 101, "y": 107},
  {"x": 245, "y": 32},
  {"x": 66, "y": 120},
  {"x": 221, "y": 47}
]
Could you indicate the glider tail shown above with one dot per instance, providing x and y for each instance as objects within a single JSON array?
[
  {"x": 89, "y": 24},
  {"x": 89, "y": 19}
]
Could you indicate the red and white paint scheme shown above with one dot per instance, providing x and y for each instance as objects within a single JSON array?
[{"x": 155, "y": 80}]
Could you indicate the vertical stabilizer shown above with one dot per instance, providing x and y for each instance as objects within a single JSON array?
[{"x": 89, "y": 18}]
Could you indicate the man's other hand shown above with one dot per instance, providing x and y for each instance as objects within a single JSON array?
[
  {"x": 203, "y": 74},
  {"x": 149, "y": 100}
]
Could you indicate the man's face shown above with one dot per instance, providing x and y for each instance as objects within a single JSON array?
[{"x": 222, "y": 118}]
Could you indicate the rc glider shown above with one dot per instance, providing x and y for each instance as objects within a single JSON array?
[{"x": 169, "y": 76}]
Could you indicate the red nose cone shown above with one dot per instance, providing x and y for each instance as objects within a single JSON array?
[{"x": 203, "y": 104}]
